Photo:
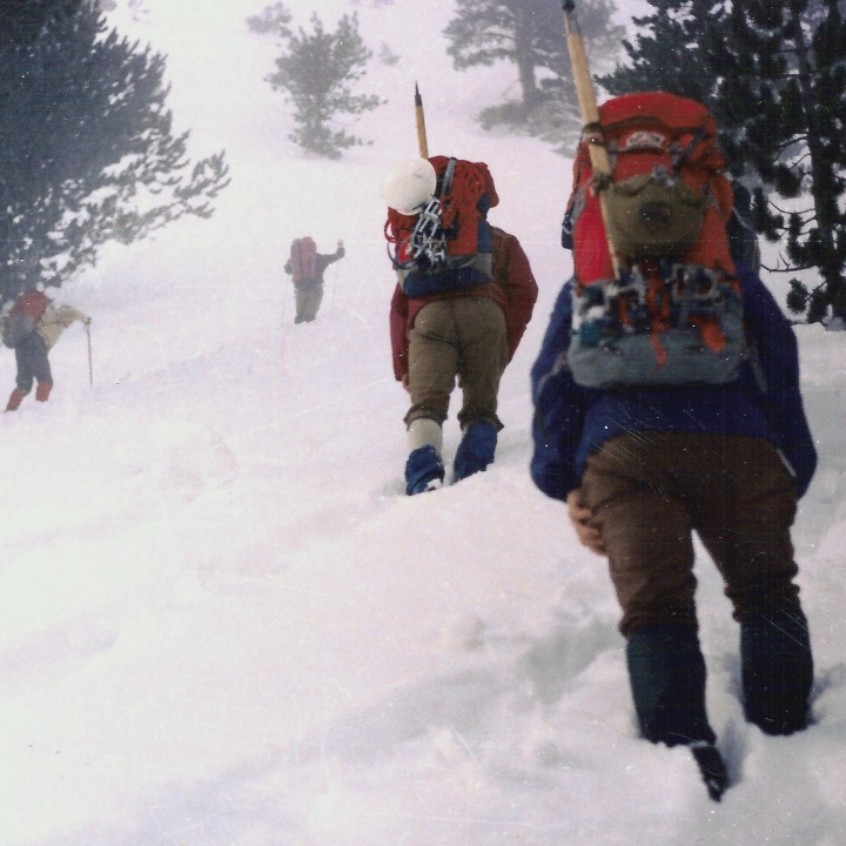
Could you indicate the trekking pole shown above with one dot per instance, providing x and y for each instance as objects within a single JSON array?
[
  {"x": 334, "y": 290},
  {"x": 90, "y": 359},
  {"x": 592, "y": 129},
  {"x": 422, "y": 142}
]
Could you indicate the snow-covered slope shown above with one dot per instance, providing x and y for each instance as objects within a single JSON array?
[{"x": 222, "y": 623}]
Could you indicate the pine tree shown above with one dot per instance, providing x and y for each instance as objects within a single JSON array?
[
  {"x": 530, "y": 34},
  {"x": 668, "y": 52},
  {"x": 87, "y": 154},
  {"x": 317, "y": 72},
  {"x": 273, "y": 19},
  {"x": 775, "y": 78}
]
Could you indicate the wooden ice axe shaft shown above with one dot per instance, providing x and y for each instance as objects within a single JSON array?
[
  {"x": 422, "y": 142},
  {"x": 589, "y": 112}
]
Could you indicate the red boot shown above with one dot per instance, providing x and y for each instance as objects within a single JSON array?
[
  {"x": 42, "y": 391},
  {"x": 15, "y": 399}
]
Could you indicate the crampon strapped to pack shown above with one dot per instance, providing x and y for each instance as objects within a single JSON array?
[
  {"x": 447, "y": 244},
  {"x": 672, "y": 313},
  {"x": 303, "y": 260}
]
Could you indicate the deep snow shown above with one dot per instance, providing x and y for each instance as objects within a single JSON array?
[{"x": 222, "y": 622}]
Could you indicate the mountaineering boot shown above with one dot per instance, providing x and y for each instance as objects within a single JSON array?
[
  {"x": 424, "y": 470},
  {"x": 777, "y": 670},
  {"x": 712, "y": 767},
  {"x": 667, "y": 675},
  {"x": 42, "y": 391},
  {"x": 15, "y": 399},
  {"x": 476, "y": 450}
]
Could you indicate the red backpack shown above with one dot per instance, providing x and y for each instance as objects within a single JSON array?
[
  {"x": 673, "y": 313},
  {"x": 21, "y": 321},
  {"x": 303, "y": 260},
  {"x": 448, "y": 245}
]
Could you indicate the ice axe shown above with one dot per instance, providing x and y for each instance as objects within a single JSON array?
[
  {"x": 422, "y": 142},
  {"x": 592, "y": 129}
]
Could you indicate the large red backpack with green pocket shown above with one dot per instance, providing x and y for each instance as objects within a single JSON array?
[{"x": 670, "y": 311}]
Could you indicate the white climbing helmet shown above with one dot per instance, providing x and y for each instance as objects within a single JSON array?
[{"x": 409, "y": 185}]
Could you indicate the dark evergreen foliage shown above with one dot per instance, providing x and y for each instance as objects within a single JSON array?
[
  {"x": 87, "y": 153},
  {"x": 23, "y": 20},
  {"x": 317, "y": 72},
  {"x": 775, "y": 77},
  {"x": 530, "y": 34}
]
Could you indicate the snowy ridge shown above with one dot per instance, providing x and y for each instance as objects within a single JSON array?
[{"x": 222, "y": 623}]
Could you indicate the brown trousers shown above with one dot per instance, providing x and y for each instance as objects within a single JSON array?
[
  {"x": 463, "y": 337},
  {"x": 651, "y": 491}
]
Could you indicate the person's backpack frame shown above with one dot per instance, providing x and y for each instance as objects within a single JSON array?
[{"x": 447, "y": 244}]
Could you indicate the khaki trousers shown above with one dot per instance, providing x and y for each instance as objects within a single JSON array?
[
  {"x": 651, "y": 491},
  {"x": 465, "y": 338},
  {"x": 308, "y": 299}
]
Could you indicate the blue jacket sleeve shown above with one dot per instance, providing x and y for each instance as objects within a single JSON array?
[
  {"x": 774, "y": 356},
  {"x": 559, "y": 407}
]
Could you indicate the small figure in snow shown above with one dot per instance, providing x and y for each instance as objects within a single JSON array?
[
  {"x": 31, "y": 327},
  {"x": 466, "y": 330},
  {"x": 306, "y": 267}
]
